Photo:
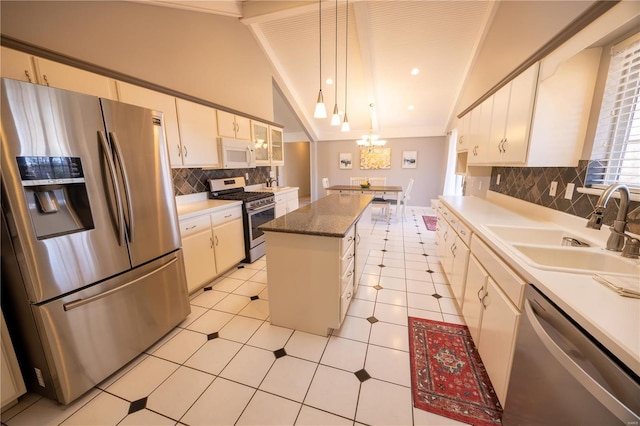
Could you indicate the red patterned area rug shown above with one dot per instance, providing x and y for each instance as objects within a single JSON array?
[
  {"x": 430, "y": 222},
  {"x": 447, "y": 375}
]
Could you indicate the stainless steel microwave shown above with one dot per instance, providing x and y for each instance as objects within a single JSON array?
[{"x": 237, "y": 154}]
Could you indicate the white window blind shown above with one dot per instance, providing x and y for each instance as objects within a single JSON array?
[{"x": 616, "y": 150}]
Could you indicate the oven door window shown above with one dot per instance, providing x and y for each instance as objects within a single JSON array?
[{"x": 258, "y": 218}]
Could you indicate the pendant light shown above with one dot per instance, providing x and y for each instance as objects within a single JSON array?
[
  {"x": 345, "y": 120},
  {"x": 371, "y": 140},
  {"x": 320, "y": 110},
  {"x": 335, "y": 118}
]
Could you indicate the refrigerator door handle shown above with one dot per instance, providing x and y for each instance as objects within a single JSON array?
[
  {"x": 116, "y": 187},
  {"x": 125, "y": 178},
  {"x": 80, "y": 302}
]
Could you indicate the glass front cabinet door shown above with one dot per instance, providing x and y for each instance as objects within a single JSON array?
[
  {"x": 260, "y": 138},
  {"x": 277, "y": 147}
]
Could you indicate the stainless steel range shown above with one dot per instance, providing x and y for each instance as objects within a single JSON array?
[{"x": 257, "y": 208}]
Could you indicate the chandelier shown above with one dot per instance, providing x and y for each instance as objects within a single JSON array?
[{"x": 371, "y": 141}]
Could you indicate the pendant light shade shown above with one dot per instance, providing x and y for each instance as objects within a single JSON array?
[
  {"x": 335, "y": 118},
  {"x": 345, "y": 120},
  {"x": 320, "y": 110}
]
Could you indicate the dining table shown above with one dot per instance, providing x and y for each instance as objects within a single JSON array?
[{"x": 385, "y": 195}]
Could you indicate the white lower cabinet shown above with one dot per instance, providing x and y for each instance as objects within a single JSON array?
[
  {"x": 12, "y": 382},
  {"x": 212, "y": 243},
  {"x": 453, "y": 251},
  {"x": 312, "y": 279},
  {"x": 475, "y": 290},
  {"x": 497, "y": 337},
  {"x": 286, "y": 202},
  {"x": 197, "y": 247},
  {"x": 492, "y": 308},
  {"x": 227, "y": 250}
]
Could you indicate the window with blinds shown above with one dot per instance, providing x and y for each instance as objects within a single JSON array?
[{"x": 616, "y": 149}]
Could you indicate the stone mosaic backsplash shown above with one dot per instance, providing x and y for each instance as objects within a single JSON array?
[
  {"x": 190, "y": 181},
  {"x": 532, "y": 184}
]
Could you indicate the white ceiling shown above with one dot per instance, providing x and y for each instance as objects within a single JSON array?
[{"x": 386, "y": 40}]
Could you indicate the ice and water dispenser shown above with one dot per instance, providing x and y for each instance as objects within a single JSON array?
[{"x": 56, "y": 195}]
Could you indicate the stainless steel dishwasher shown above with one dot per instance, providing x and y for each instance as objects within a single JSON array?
[{"x": 562, "y": 376}]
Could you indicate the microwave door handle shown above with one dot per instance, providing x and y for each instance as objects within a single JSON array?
[
  {"x": 251, "y": 156},
  {"x": 116, "y": 187},
  {"x": 127, "y": 187},
  {"x": 589, "y": 384}
]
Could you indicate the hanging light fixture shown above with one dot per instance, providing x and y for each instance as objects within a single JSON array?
[
  {"x": 320, "y": 110},
  {"x": 371, "y": 140},
  {"x": 345, "y": 120},
  {"x": 335, "y": 118}
]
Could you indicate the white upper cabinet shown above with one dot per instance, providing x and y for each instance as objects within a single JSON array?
[
  {"x": 17, "y": 65},
  {"x": 260, "y": 137},
  {"x": 511, "y": 119},
  {"x": 276, "y": 146},
  {"x": 538, "y": 119},
  {"x": 22, "y": 66},
  {"x": 198, "y": 134},
  {"x": 562, "y": 109},
  {"x": 151, "y": 99},
  {"x": 233, "y": 126},
  {"x": 463, "y": 132}
]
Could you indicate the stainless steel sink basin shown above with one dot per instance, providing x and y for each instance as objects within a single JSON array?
[
  {"x": 532, "y": 235},
  {"x": 578, "y": 260}
]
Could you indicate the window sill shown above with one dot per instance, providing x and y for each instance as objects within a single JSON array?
[{"x": 635, "y": 196}]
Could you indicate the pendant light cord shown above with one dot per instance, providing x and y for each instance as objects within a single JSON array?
[
  {"x": 320, "y": 47},
  {"x": 336, "y": 54},
  {"x": 346, "y": 56}
]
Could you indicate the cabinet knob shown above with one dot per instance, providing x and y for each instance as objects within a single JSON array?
[
  {"x": 184, "y": 150},
  {"x": 26, "y": 73},
  {"x": 44, "y": 77}
]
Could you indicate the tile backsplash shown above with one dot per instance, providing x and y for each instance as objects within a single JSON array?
[
  {"x": 533, "y": 183},
  {"x": 189, "y": 181}
]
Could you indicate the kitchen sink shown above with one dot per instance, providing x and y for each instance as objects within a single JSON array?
[
  {"x": 578, "y": 260},
  {"x": 532, "y": 235}
]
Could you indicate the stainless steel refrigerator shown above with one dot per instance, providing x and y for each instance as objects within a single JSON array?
[{"x": 92, "y": 270}]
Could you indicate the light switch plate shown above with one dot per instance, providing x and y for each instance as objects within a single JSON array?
[
  {"x": 553, "y": 188},
  {"x": 568, "y": 194}
]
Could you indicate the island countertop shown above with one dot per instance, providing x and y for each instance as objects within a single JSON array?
[{"x": 330, "y": 216}]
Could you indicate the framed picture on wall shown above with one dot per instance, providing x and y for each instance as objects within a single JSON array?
[
  {"x": 345, "y": 160},
  {"x": 409, "y": 159}
]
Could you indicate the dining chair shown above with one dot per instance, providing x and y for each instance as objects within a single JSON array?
[
  {"x": 405, "y": 198},
  {"x": 325, "y": 185},
  {"x": 356, "y": 181},
  {"x": 378, "y": 181}
]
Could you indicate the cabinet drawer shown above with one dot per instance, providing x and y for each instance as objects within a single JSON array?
[
  {"x": 510, "y": 283},
  {"x": 464, "y": 233},
  {"x": 226, "y": 215},
  {"x": 347, "y": 277},
  {"x": 347, "y": 240},
  {"x": 345, "y": 300},
  {"x": 195, "y": 225},
  {"x": 347, "y": 258},
  {"x": 281, "y": 198}
]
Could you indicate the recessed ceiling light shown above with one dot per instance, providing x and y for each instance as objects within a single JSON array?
[
  {"x": 411, "y": 107},
  {"x": 329, "y": 81},
  {"x": 415, "y": 71}
]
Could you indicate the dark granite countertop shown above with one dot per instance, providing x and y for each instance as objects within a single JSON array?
[{"x": 330, "y": 216}]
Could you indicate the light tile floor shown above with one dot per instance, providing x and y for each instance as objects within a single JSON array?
[{"x": 226, "y": 364}]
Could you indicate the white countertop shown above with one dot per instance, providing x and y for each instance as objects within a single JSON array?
[
  {"x": 275, "y": 189},
  {"x": 196, "y": 204},
  {"x": 611, "y": 319}
]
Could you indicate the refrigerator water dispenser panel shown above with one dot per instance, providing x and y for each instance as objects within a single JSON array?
[{"x": 56, "y": 195}]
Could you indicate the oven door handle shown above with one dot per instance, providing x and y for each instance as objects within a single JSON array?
[{"x": 261, "y": 208}]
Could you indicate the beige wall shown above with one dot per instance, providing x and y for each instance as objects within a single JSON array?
[
  {"x": 296, "y": 172},
  {"x": 428, "y": 175},
  {"x": 208, "y": 56}
]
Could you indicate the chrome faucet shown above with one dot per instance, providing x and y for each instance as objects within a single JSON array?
[{"x": 616, "y": 241}]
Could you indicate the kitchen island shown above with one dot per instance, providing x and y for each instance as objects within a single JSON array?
[{"x": 313, "y": 262}]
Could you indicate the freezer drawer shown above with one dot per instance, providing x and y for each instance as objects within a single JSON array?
[{"x": 93, "y": 333}]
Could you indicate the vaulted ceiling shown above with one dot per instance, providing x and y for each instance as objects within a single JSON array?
[{"x": 372, "y": 63}]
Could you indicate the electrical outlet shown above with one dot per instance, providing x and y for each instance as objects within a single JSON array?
[
  {"x": 553, "y": 188},
  {"x": 568, "y": 193},
  {"x": 480, "y": 186},
  {"x": 498, "y": 179}
]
